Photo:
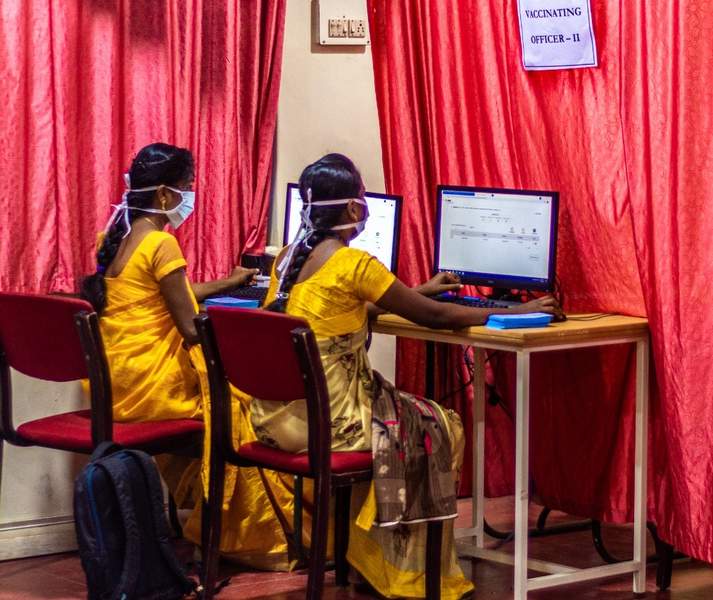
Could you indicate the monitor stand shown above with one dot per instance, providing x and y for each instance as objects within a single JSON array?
[{"x": 505, "y": 294}]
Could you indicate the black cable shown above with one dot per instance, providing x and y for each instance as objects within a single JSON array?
[
  {"x": 470, "y": 367},
  {"x": 558, "y": 292},
  {"x": 593, "y": 317},
  {"x": 464, "y": 385},
  {"x": 494, "y": 398}
]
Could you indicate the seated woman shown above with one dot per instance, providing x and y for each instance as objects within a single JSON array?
[
  {"x": 334, "y": 288},
  {"x": 146, "y": 306}
]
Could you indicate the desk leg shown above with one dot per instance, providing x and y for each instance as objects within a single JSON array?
[
  {"x": 522, "y": 480},
  {"x": 478, "y": 445},
  {"x": 640, "y": 467}
]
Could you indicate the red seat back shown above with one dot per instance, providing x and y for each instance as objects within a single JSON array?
[
  {"x": 39, "y": 336},
  {"x": 257, "y": 352}
]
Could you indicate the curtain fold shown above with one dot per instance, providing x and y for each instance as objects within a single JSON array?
[
  {"x": 628, "y": 146},
  {"x": 86, "y": 84}
]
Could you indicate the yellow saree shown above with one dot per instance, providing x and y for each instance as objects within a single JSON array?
[
  {"x": 155, "y": 377},
  {"x": 333, "y": 302}
]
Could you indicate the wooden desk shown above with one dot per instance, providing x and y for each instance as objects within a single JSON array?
[{"x": 572, "y": 334}]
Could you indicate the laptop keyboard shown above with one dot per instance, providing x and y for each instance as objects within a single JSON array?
[{"x": 251, "y": 292}]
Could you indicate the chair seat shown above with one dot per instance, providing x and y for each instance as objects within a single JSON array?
[
  {"x": 72, "y": 431},
  {"x": 279, "y": 460}
]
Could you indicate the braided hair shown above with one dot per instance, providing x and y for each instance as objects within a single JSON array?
[
  {"x": 155, "y": 164},
  {"x": 332, "y": 177}
]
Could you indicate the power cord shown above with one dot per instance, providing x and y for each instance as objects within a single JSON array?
[
  {"x": 470, "y": 367},
  {"x": 471, "y": 374}
]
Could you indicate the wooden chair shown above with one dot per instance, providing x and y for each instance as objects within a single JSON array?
[
  {"x": 56, "y": 338},
  {"x": 275, "y": 356}
]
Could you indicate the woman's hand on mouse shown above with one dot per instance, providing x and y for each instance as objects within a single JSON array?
[{"x": 546, "y": 304}]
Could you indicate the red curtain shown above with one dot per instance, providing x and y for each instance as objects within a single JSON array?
[
  {"x": 86, "y": 84},
  {"x": 628, "y": 145}
]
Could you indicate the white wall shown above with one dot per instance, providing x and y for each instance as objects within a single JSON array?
[
  {"x": 327, "y": 104},
  {"x": 36, "y": 485}
]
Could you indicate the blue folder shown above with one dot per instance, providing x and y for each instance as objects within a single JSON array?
[
  {"x": 518, "y": 321},
  {"x": 233, "y": 302}
]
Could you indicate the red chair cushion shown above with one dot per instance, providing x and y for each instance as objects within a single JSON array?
[
  {"x": 72, "y": 431},
  {"x": 279, "y": 460}
]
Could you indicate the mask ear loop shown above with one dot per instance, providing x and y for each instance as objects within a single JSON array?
[
  {"x": 121, "y": 210},
  {"x": 305, "y": 232},
  {"x": 307, "y": 218}
]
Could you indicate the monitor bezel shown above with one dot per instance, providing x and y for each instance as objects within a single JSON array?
[
  {"x": 498, "y": 280},
  {"x": 397, "y": 222}
]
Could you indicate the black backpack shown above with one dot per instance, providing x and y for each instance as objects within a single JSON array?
[{"x": 122, "y": 531}]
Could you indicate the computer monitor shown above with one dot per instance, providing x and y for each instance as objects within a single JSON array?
[
  {"x": 380, "y": 237},
  {"x": 497, "y": 237}
]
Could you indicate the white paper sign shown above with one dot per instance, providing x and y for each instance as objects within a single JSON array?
[{"x": 556, "y": 34}]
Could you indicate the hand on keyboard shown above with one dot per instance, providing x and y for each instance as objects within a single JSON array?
[
  {"x": 241, "y": 276},
  {"x": 440, "y": 283}
]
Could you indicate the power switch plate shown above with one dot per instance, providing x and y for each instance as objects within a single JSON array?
[
  {"x": 340, "y": 22},
  {"x": 338, "y": 28}
]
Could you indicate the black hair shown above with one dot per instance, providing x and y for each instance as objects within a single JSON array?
[
  {"x": 155, "y": 164},
  {"x": 332, "y": 177}
]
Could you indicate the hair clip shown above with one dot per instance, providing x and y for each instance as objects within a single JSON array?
[{"x": 101, "y": 269}]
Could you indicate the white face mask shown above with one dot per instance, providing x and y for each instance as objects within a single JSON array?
[{"x": 176, "y": 215}]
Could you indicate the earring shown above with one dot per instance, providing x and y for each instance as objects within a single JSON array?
[{"x": 163, "y": 203}]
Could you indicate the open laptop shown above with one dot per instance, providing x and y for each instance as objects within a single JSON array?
[
  {"x": 500, "y": 238},
  {"x": 380, "y": 237}
]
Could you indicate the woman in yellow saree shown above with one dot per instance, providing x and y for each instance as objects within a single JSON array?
[
  {"x": 335, "y": 288},
  {"x": 146, "y": 306}
]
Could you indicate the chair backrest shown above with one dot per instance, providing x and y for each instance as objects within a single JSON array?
[
  {"x": 38, "y": 335},
  {"x": 257, "y": 351},
  {"x": 55, "y": 338},
  {"x": 270, "y": 356}
]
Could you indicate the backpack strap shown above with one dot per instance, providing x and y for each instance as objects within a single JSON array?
[
  {"x": 158, "y": 517},
  {"x": 104, "y": 449},
  {"x": 119, "y": 474}
]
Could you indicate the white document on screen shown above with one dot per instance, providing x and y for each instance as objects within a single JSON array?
[
  {"x": 509, "y": 234},
  {"x": 556, "y": 34}
]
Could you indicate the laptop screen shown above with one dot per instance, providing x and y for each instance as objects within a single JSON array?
[
  {"x": 497, "y": 237},
  {"x": 380, "y": 237}
]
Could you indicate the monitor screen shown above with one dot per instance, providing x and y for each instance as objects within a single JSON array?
[
  {"x": 495, "y": 237},
  {"x": 380, "y": 237}
]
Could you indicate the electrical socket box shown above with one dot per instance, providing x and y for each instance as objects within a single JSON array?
[
  {"x": 357, "y": 28},
  {"x": 343, "y": 22}
]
